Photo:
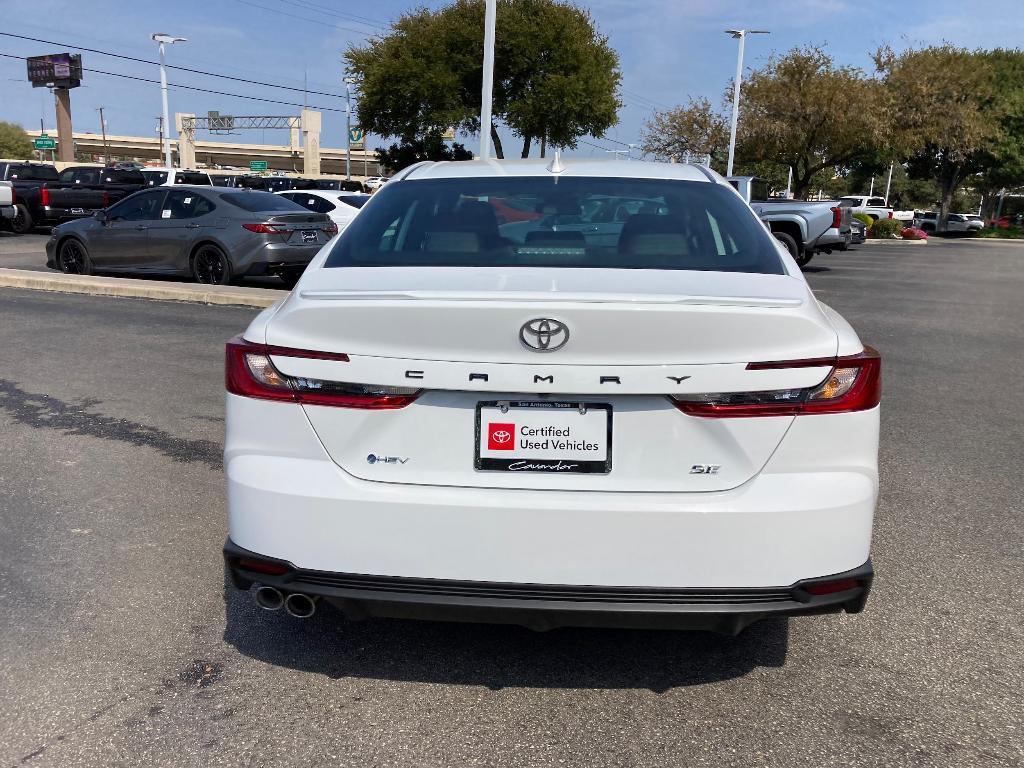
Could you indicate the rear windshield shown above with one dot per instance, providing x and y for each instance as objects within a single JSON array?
[
  {"x": 356, "y": 201},
  {"x": 261, "y": 201},
  {"x": 187, "y": 177},
  {"x": 154, "y": 178},
  {"x": 33, "y": 173},
  {"x": 610, "y": 223}
]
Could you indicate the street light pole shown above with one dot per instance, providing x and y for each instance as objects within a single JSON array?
[
  {"x": 163, "y": 39},
  {"x": 103, "y": 128},
  {"x": 741, "y": 35},
  {"x": 490, "y": 14},
  {"x": 348, "y": 128}
]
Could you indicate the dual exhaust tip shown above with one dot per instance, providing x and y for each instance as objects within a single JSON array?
[{"x": 295, "y": 603}]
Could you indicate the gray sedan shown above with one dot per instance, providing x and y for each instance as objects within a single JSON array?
[{"x": 213, "y": 234}]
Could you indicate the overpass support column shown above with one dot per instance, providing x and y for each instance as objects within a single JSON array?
[
  {"x": 186, "y": 141},
  {"x": 310, "y": 143}
]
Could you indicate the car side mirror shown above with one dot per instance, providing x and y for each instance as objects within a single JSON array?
[{"x": 100, "y": 216}]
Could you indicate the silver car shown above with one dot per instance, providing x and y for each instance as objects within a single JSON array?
[{"x": 213, "y": 234}]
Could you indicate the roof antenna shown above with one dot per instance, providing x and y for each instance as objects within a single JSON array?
[{"x": 555, "y": 166}]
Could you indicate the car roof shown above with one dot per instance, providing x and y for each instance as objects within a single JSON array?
[{"x": 571, "y": 166}]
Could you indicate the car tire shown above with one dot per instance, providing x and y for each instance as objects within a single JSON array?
[
  {"x": 211, "y": 266},
  {"x": 22, "y": 221},
  {"x": 73, "y": 258},
  {"x": 791, "y": 245},
  {"x": 290, "y": 277}
]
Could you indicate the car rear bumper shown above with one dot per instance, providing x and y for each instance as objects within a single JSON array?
[
  {"x": 274, "y": 258},
  {"x": 58, "y": 215},
  {"x": 548, "y": 606}
]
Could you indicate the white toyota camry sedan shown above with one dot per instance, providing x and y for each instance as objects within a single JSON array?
[{"x": 589, "y": 393}]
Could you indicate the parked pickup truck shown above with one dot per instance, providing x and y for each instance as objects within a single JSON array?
[
  {"x": 41, "y": 199},
  {"x": 805, "y": 228},
  {"x": 6, "y": 200},
  {"x": 874, "y": 207},
  {"x": 116, "y": 182}
]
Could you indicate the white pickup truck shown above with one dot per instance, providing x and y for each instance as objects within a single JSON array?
[
  {"x": 6, "y": 200},
  {"x": 874, "y": 207}
]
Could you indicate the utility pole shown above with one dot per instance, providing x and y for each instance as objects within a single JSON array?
[
  {"x": 160, "y": 131},
  {"x": 888, "y": 184},
  {"x": 486, "y": 92},
  {"x": 162, "y": 38},
  {"x": 103, "y": 128},
  {"x": 741, "y": 35},
  {"x": 348, "y": 128}
]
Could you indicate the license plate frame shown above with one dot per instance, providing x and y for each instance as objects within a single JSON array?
[{"x": 543, "y": 466}]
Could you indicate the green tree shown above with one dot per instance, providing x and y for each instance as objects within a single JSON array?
[
  {"x": 556, "y": 79},
  {"x": 946, "y": 113},
  {"x": 694, "y": 129},
  {"x": 1002, "y": 160},
  {"x": 14, "y": 142},
  {"x": 402, "y": 155},
  {"x": 803, "y": 111}
]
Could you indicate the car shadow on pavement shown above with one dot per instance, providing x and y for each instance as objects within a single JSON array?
[{"x": 497, "y": 656}]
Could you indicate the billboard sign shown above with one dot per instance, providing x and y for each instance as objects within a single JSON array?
[
  {"x": 58, "y": 70},
  {"x": 356, "y": 138}
]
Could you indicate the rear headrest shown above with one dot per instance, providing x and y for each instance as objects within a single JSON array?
[
  {"x": 476, "y": 216},
  {"x": 452, "y": 242},
  {"x": 648, "y": 234},
  {"x": 545, "y": 237}
]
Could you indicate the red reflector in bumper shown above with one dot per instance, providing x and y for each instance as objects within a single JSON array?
[
  {"x": 830, "y": 587},
  {"x": 262, "y": 566}
]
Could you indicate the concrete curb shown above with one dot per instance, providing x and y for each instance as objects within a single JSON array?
[
  {"x": 892, "y": 241},
  {"x": 192, "y": 293}
]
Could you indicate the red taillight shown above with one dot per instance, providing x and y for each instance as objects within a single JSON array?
[
  {"x": 266, "y": 229},
  {"x": 837, "y": 217},
  {"x": 250, "y": 372},
  {"x": 106, "y": 199},
  {"x": 44, "y": 197},
  {"x": 331, "y": 229},
  {"x": 853, "y": 384},
  {"x": 890, "y": 214},
  {"x": 830, "y": 587}
]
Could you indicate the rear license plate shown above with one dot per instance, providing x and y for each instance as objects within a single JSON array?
[
  {"x": 78, "y": 211},
  {"x": 308, "y": 236},
  {"x": 538, "y": 436}
]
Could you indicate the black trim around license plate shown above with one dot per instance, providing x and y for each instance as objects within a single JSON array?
[{"x": 548, "y": 466}]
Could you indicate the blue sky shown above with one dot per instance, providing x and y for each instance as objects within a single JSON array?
[{"x": 670, "y": 50}]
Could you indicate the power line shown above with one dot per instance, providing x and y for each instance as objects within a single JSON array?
[
  {"x": 640, "y": 97},
  {"x": 194, "y": 88},
  {"x": 290, "y": 15},
  {"x": 309, "y": 6},
  {"x": 171, "y": 66}
]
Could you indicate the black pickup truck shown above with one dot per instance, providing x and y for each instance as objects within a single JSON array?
[
  {"x": 43, "y": 200},
  {"x": 116, "y": 182}
]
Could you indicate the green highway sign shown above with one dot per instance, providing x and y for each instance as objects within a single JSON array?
[
  {"x": 257, "y": 165},
  {"x": 44, "y": 142}
]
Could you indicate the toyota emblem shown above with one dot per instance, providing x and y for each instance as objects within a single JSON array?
[
  {"x": 544, "y": 334},
  {"x": 502, "y": 436}
]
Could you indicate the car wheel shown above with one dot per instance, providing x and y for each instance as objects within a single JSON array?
[
  {"x": 210, "y": 265},
  {"x": 791, "y": 245},
  {"x": 73, "y": 258},
  {"x": 290, "y": 277},
  {"x": 22, "y": 221}
]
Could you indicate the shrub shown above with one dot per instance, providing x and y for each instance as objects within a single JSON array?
[
  {"x": 886, "y": 229},
  {"x": 868, "y": 221},
  {"x": 913, "y": 233}
]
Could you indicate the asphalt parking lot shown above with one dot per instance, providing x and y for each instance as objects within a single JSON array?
[{"x": 119, "y": 648}]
